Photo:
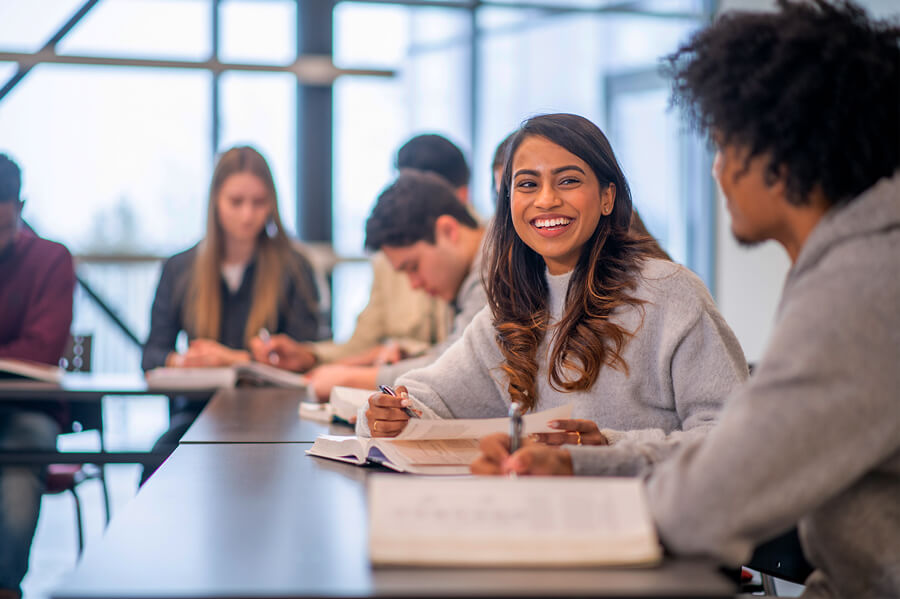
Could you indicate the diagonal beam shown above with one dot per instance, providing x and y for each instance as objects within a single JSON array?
[
  {"x": 50, "y": 46},
  {"x": 309, "y": 69}
]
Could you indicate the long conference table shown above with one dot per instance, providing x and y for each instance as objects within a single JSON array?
[
  {"x": 85, "y": 391},
  {"x": 239, "y": 510}
]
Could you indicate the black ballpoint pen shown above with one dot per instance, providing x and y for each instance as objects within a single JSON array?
[{"x": 387, "y": 389}]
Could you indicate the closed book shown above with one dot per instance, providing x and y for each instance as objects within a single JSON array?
[
  {"x": 23, "y": 369},
  {"x": 244, "y": 373}
]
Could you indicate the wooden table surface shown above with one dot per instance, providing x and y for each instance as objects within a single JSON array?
[
  {"x": 257, "y": 415},
  {"x": 265, "y": 520}
]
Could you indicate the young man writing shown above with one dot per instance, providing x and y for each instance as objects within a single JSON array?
[
  {"x": 36, "y": 284},
  {"x": 803, "y": 106},
  {"x": 398, "y": 321},
  {"x": 427, "y": 234}
]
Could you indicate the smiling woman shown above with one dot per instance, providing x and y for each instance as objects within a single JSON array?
[
  {"x": 570, "y": 209},
  {"x": 580, "y": 311},
  {"x": 554, "y": 202}
]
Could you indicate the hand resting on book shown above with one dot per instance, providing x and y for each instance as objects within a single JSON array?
[
  {"x": 289, "y": 354},
  {"x": 572, "y": 431},
  {"x": 533, "y": 458},
  {"x": 206, "y": 353}
]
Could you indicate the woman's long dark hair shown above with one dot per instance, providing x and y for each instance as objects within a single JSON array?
[{"x": 603, "y": 278}]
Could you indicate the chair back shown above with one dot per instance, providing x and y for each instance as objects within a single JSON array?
[
  {"x": 77, "y": 357},
  {"x": 783, "y": 558}
]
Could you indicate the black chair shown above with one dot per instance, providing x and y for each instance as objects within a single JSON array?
[
  {"x": 62, "y": 478},
  {"x": 781, "y": 557}
]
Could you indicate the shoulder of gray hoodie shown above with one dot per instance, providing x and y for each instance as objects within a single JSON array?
[
  {"x": 470, "y": 299},
  {"x": 813, "y": 439},
  {"x": 683, "y": 360}
]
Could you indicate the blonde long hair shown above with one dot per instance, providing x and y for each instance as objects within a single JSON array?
[{"x": 273, "y": 256}]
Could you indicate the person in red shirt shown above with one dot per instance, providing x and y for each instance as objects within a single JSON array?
[{"x": 37, "y": 279}]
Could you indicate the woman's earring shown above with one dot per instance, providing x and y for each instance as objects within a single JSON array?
[{"x": 271, "y": 228}]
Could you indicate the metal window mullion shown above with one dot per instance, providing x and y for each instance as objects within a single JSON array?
[{"x": 216, "y": 76}]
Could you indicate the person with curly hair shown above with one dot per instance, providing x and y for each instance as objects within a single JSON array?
[
  {"x": 804, "y": 106},
  {"x": 579, "y": 311}
]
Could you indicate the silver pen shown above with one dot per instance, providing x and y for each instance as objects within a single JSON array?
[
  {"x": 266, "y": 338},
  {"x": 388, "y": 390},
  {"x": 515, "y": 427}
]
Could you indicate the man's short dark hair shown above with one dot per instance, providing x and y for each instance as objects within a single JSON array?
[
  {"x": 406, "y": 212},
  {"x": 815, "y": 86},
  {"x": 10, "y": 179},
  {"x": 435, "y": 154}
]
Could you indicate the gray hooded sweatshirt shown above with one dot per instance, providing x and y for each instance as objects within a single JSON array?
[{"x": 813, "y": 439}]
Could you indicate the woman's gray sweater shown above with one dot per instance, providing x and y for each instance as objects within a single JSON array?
[{"x": 683, "y": 361}]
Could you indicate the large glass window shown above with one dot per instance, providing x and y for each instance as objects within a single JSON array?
[
  {"x": 25, "y": 27},
  {"x": 430, "y": 50},
  {"x": 117, "y": 157},
  {"x": 143, "y": 29},
  {"x": 258, "y": 31},
  {"x": 258, "y": 109},
  {"x": 106, "y": 169}
]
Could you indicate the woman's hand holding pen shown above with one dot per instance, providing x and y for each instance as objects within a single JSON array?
[
  {"x": 533, "y": 458},
  {"x": 283, "y": 352},
  {"x": 389, "y": 353},
  {"x": 572, "y": 431},
  {"x": 387, "y": 414},
  {"x": 206, "y": 353}
]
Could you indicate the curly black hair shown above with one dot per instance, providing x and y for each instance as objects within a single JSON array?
[
  {"x": 815, "y": 86},
  {"x": 434, "y": 154},
  {"x": 407, "y": 210}
]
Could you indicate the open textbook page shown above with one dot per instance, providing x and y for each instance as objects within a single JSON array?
[
  {"x": 436, "y": 456},
  {"x": 257, "y": 373},
  {"x": 495, "y": 521},
  {"x": 440, "y": 447},
  {"x": 10, "y": 368},
  {"x": 190, "y": 378},
  {"x": 252, "y": 373},
  {"x": 475, "y": 428}
]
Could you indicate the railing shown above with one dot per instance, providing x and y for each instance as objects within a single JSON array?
[
  {"x": 115, "y": 287},
  {"x": 115, "y": 294}
]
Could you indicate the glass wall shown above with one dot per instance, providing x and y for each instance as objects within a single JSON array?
[{"x": 117, "y": 157}]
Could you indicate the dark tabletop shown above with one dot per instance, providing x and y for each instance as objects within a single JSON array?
[
  {"x": 265, "y": 520},
  {"x": 257, "y": 415},
  {"x": 78, "y": 386}
]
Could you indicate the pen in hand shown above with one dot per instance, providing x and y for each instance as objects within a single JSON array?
[
  {"x": 515, "y": 430},
  {"x": 266, "y": 338},
  {"x": 515, "y": 427},
  {"x": 388, "y": 390}
]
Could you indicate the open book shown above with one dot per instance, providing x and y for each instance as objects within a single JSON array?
[
  {"x": 252, "y": 373},
  {"x": 29, "y": 370},
  {"x": 496, "y": 521},
  {"x": 429, "y": 446},
  {"x": 342, "y": 405}
]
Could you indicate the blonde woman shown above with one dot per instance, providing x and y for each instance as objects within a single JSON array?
[{"x": 243, "y": 276}]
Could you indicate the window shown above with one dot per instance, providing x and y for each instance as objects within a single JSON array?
[{"x": 117, "y": 147}]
